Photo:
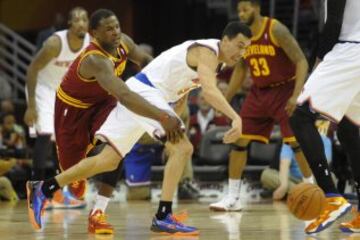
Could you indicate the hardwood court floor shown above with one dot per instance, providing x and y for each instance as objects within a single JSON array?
[{"x": 259, "y": 221}]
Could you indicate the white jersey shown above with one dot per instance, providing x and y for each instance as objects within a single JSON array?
[
  {"x": 170, "y": 73},
  {"x": 350, "y": 30},
  {"x": 54, "y": 71}
]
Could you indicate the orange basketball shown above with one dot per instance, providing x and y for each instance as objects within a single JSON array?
[{"x": 306, "y": 201}]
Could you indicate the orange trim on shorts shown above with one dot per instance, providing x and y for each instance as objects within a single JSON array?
[
  {"x": 255, "y": 137},
  {"x": 260, "y": 33},
  {"x": 70, "y": 100},
  {"x": 289, "y": 139},
  {"x": 272, "y": 37}
]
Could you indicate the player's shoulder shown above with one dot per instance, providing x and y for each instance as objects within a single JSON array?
[
  {"x": 53, "y": 42},
  {"x": 278, "y": 31}
]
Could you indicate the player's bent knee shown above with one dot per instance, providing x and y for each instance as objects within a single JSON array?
[{"x": 241, "y": 145}]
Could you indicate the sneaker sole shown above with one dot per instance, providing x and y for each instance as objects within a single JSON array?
[
  {"x": 60, "y": 206},
  {"x": 101, "y": 231},
  {"x": 349, "y": 230},
  {"x": 321, "y": 228},
  {"x": 157, "y": 230},
  {"x": 31, "y": 214}
]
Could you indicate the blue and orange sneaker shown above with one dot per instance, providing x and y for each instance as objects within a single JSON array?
[
  {"x": 36, "y": 202},
  {"x": 172, "y": 225},
  {"x": 336, "y": 207},
  {"x": 354, "y": 225}
]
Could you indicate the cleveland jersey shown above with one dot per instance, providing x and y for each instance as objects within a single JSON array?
[
  {"x": 268, "y": 63},
  {"x": 81, "y": 92},
  {"x": 52, "y": 74}
]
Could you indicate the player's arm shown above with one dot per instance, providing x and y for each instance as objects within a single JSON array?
[
  {"x": 332, "y": 28},
  {"x": 237, "y": 78},
  {"x": 102, "y": 70},
  {"x": 50, "y": 50},
  {"x": 181, "y": 104},
  {"x": 136, "y": 54},
  {"x": 206, "y": 68},
  {"x": 292, "y": 49}
]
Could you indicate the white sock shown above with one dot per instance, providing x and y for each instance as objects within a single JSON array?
[
  {"x": 101, "y": 203},
  {"x": 309, "y": 179},
  {"x": 234, "y": 188}
]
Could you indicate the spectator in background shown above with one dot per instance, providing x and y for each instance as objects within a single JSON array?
[
  {"x": 58, "y": 24},
  {"x": 7, "y": 191},
  {"x": 12, "y": 138},
  {"x": 204, "y": 120},
  {"x": 280, "y": 178}
]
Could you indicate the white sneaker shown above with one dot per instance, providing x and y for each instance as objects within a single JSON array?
[{"x": 227, "y": 204}]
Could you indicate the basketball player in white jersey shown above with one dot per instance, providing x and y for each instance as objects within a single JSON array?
[
  {"x": 43, "y": 78},
  {"x": 166, "y": 79},
  {"x": 333, "y": 90}
]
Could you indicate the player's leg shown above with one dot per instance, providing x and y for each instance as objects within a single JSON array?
[
  {"x": 288, "y": 138},
  {"x": 303, "y": 125},
  {"x": 237, "y": 163},
  {"x": 349, "y": 137},
  {"x": 43, "y": 129},
  {"x": 38, "y": 192}
]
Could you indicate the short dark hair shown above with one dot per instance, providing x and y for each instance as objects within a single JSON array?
[
  {"x": 98, "y": 15},
  {"x": 232, "y": 29},
  {"x": 73, "y": 10},
  {"x": 254, "y": 2}
]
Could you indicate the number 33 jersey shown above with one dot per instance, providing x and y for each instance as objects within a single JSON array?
[{"x": 267, "y": 61}]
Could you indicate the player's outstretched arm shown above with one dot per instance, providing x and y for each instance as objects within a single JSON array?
[
  {"x": 102, "y": 69},
  {"x": 290, "y": 46},
  {"x": 50, "y": 50},
  {"x": 236, "y": 80},
  {"x": 206, "y": 67}
]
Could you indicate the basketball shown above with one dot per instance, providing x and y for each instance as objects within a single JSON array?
[{"x": 306, "y": 201}]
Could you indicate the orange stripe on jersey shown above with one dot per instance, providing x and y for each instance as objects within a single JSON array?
[
  {"x": 83, "y": 55},
  {"x": 260, "y": 33},
  {"x": 272, "y": 37},
  {"x": 70, "y": 100}
]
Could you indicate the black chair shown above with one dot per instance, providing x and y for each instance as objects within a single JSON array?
[{"x": 212, "y": 162}]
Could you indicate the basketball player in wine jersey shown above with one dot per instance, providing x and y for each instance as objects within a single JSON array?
[{"x": 278, "y": 68}]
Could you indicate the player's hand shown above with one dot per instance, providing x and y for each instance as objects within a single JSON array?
[
  {"x": 291, "y": 105},
  {"x": 30, "y": 117},
  {"x": 173, "y": 128},
  {"x": 234, "y": 132},
  {"x": 279, "y": 193}
]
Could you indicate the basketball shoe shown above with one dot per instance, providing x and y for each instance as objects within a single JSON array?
[
  {"x": 78, "y": 189},
  {"x": 354, "y": 225},
  {"x": 172, "y": 224},
  {"x": 227, "y": 204},
  {"x": 336, "y": 207},
  {"x": 36, "y": 202},
  {"x": 97, "y": 223}
]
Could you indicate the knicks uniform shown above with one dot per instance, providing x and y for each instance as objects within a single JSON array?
[
  {"x": 164, "y": 80},
  {"x": 48, "y": 81},
  {"x": 333, "y": 89},
  {"x": 273, "y": 75},
  {"x": 82, "y": 106}
]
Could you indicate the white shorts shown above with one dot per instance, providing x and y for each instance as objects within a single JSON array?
[
  {"x": 45, "y": 107},
  {"x": 333, "y": 89},
  {"x": 123, "y": 128}
]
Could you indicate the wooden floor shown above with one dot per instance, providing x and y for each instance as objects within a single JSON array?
[{"x": 260, "y": 221}]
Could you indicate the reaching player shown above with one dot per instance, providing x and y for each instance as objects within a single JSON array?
[
  {"x": 333, "y": 91},
  {"x": 43, "y": 78},
  {"x": 166, "y": 79},
  {"x": 278, "y": 68}
]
